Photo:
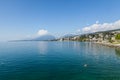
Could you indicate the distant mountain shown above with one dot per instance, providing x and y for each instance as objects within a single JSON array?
[
  {"x": 39, "y": 38},
  {"x": 44, "y": 38},
  {"x": 68, "y": 35}
]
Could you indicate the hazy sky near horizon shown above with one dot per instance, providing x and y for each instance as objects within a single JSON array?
[{"x": 25, "y": 18}]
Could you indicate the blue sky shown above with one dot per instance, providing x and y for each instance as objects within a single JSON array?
[{"x": 24, "y": 18}]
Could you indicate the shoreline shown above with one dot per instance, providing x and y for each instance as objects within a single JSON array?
[{"x": 109, "y": 44}]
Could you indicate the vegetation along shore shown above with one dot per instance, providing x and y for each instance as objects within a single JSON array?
[{"x": 109, "y": 38}]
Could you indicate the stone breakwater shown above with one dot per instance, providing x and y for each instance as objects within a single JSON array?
[{"x": 109, "y": 44}]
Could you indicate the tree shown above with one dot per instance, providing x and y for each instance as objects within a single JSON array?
[{"x": 117, "y": 37}]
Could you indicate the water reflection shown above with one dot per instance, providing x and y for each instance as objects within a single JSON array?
[
  {"x": 59, "y": 61},
  {"x": 117, "y": 52},
  {"x": 43, "y": 47}
]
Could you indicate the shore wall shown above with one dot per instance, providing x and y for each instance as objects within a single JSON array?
[{"x": 109, "y": 45}]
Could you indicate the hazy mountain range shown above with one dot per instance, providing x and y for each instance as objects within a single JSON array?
[
  {"x": 44, "y": 38},
  {"x": 39, "y": 38}
]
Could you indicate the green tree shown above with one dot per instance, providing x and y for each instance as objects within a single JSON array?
[{"x": 117, "y": 37}]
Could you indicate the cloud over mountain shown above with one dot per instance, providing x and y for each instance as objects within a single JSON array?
[
  {"x": 101, "y": 27},
  {"x": 42, "y": 35},
  {"x": 42, "y": 32}
]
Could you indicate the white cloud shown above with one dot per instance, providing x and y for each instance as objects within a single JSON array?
[
  {"x": 97, "y": 22},
  {"x": 42, "y": 32},
  {"x": 101, "y": 27}
]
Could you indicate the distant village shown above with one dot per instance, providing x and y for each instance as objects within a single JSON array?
[{"x": 111, "y": 36}]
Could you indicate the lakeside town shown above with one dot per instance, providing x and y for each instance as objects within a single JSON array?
[{"x": 109, "y": 38}]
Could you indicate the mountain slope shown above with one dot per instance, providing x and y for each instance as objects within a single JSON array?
[{"x": 44, "y": 38}]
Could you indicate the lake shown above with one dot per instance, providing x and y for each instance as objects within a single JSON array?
[{"x": 58, "y": 61}]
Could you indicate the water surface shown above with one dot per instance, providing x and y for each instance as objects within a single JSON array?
[{"x": 58, "y": 61}]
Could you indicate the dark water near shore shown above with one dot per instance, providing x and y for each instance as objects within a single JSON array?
[{"x": 58, "y": 61}]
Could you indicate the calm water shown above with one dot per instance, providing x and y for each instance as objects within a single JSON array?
[{"x": 58, "y": 61}]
